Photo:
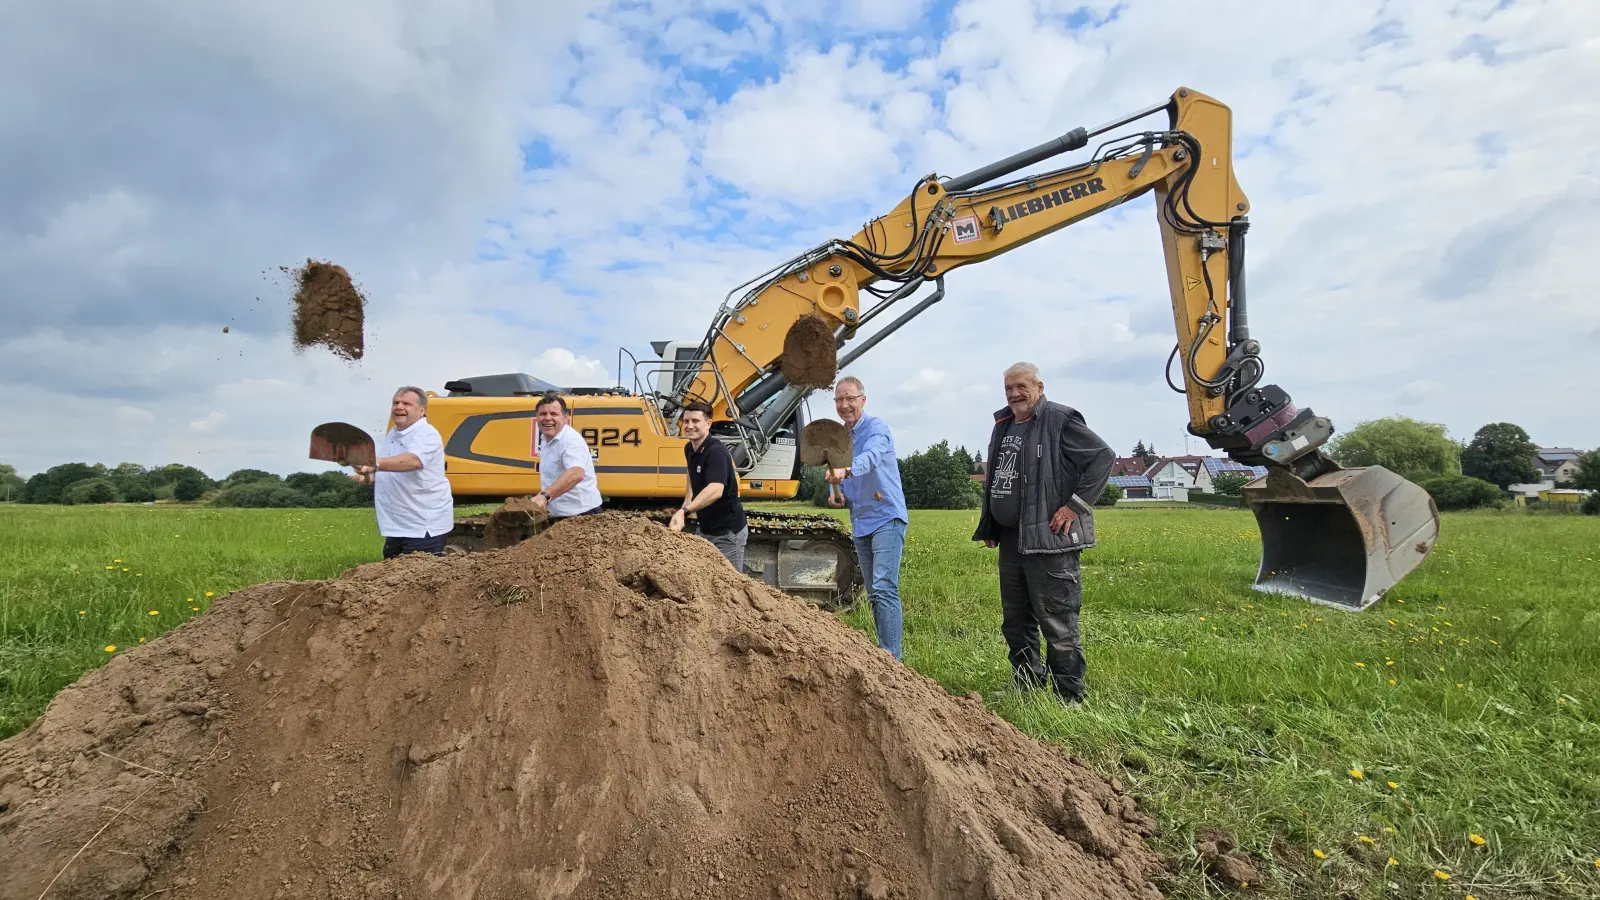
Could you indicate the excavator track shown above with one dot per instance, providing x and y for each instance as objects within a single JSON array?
[{"x": 808, "y": 555}]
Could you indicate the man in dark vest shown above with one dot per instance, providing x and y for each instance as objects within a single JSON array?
[{"x": 1046, "y": 470}]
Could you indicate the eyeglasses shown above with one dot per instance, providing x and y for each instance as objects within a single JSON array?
[{"x": 850, "y": 399}]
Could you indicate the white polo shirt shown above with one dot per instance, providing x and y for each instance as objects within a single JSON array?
[
  {"x": 417, "y": 503},
  {"x": 556, "y": 456}
]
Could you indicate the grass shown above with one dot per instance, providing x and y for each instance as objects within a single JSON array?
[{"x": 1218, "y": 706}]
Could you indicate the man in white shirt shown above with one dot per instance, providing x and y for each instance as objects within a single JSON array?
[
  {"x": 566, "y": 468},
  {"x": 409, "y": 488}
]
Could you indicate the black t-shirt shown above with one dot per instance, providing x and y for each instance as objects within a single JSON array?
[
  {"x": 710, "y": 464},
  {"x": 1005, "y": 479}
]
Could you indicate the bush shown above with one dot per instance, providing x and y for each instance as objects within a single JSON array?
[
  {"x": 937, "y": 478},
  {"x": 94, "y": 490},
  {"x": 261, "y": 495},
  {"x": 135, "y": 489},
  {"x": 51, "y": 485},
  {"x": 188, "y": 486},
  {"x": 1461, "y": 492},
  {"x": 1406, "y": 447},
  {"x": 247, "y": 476},
  {"x": 1591, "y": 504},
  {"x": 1207, "y": 499},
  {"x": 1110, "y": 495},
  {"x": 1230, "y": 483}
]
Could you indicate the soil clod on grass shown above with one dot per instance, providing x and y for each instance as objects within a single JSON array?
[
  {"x": 810, "y": 353},
  {"x": 328, "y": 309},
  {"x": 605, "y": 710}
]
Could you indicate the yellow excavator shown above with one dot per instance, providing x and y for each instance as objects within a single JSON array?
[{"x": 1329, "y": 534}]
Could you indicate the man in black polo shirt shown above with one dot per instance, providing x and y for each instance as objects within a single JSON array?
[{"x": 713, "y": 491}]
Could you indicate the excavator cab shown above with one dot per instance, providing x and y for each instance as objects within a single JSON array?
[{"x": 1342, "y": 538}]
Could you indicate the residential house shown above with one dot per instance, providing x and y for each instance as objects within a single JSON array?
[
  {"x": 1216, "y": 466},
  {"x": 1134, "y": 487},
  {"x": 1188, "y": 472},
  {"x": 1171, "y": 478},
  {"x": 1558, "y": 464},
  {"x": 1129, "y": 465}
]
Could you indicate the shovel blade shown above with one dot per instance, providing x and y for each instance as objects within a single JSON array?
[
  {"x": 1343, "y": 538},
  {"x": 343, "y": 443}
]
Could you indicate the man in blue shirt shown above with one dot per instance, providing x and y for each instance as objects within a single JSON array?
[{"x": 878, "y": 518}]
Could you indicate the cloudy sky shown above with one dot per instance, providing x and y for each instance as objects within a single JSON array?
[{"x": 530, "y": 186}]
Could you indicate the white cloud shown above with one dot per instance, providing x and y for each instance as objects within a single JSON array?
[
  {"x": 210, "y": 423},
  {"x": 1406, "y": 222},
  {"x": 133, "y": 416},
  {"x": 561, "y": 366},
  {"x": 809, "y": 137}
]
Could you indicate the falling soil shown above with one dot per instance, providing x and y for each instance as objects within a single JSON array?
[
  {"x": 512, "y": 522},
  {"x": 826, "y": 443},
  {"x": 328, "y": 309},
  {"x": 810, "y": 353},
  {"x": 606, "y": 710}
]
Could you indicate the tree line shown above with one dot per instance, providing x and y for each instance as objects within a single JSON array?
[
  {"x": 1458, "y": 476},
  {"x": 85, "y": 483},
  {"x": 935, "y": 478}
]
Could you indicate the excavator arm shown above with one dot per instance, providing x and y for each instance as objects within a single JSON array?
[{"x": 1337, "y": 536}]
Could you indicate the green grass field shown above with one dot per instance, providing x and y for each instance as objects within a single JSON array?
[{"x": 1330, "y": 743}]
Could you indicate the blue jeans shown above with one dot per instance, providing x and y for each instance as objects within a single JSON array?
[{"x": 880, "y": 554}]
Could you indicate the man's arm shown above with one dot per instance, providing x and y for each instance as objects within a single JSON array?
[
  {"x": 568, "y": 480},
  {"x": 1083, "y": 452}
]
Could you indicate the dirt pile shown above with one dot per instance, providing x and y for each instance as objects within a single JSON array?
[
  {"x": 328, "y": 309},
  {"x": 604, "y": 711},
  {"x": 810, "y": 353}
]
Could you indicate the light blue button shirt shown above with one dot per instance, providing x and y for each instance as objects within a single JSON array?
[{"x": 873, "y": 487}]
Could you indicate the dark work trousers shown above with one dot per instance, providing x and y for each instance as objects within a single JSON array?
[
  {"x": 395, "y": 546},
  {"x": 1041, "y": 593}
]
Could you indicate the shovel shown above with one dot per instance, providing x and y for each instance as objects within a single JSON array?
[
  {"x": 826, "y": 443},
  {"x": 343, "y": 443}
]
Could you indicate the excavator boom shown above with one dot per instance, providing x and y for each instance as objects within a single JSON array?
[{"x": 1337, "y": 536}]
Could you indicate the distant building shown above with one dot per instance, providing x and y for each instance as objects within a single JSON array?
[
  {"x": 1188, "y": 472},
  {"x": 1557, "y": 463},
  {"x": 1173, "y": 477},
  {"x": 1128, "y": 465},
  {"x": 1134, "y": 487}
]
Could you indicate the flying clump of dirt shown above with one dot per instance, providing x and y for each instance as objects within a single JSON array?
[
  {"x": 328, "y": 309},
  {"x": 606, "y": 710}
]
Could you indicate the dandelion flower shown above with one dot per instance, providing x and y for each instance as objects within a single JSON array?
[
  {"x": 112, "y": 648},
  {"x": 83, "y": 612},
  {"x": 1388, "y": 829},
  {"x": 1459, "y": 685},
  {"x": 109, "y": 568},
  {"x": 1202, "y": 618},
  {"x": 1361, "y": 665},
  {"x": 1387, "y": 661},
  {"x": 155, "y": 612},
  {"x": 188, "y": 599},
  {"x": 1368, "y": 841},
  {"x": 116, "y": 560},
  {"x": 208, "y": 593},
  {"x": 1442, "y": 876},
  {"x": 1357, "y": 774},
  {"x": 1318, "y": 854},
  {"x": 141, "y": 640},
  {"x": 1392, "y": 681},
  {"x": 1394, "y": 786},
  {"x": 1476, "y": 839}
]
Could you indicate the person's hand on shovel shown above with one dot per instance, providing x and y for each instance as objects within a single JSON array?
[{"x": 364, "y": 474}]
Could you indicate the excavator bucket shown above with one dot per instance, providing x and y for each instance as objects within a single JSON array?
[
  {"x": 344, "y": 444},
  {"x": 1343, "y": 538}
]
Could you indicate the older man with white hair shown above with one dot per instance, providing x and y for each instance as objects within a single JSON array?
[
  {"x": 1046, "y": 470},
  {"x": 409, "y": 489}
]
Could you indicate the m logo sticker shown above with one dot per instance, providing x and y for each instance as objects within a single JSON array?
[{"x": 966, "y": 229}]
